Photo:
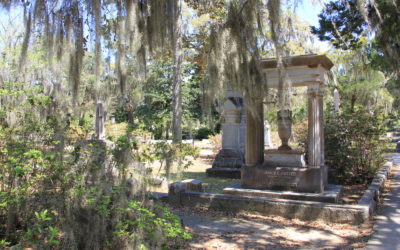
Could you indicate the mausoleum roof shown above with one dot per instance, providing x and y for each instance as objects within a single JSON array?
[{"x": 311, "y": 60}]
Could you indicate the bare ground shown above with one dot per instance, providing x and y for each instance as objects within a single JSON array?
[{"x": 220, "y": 230}]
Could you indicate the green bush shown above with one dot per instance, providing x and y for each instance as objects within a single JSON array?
[
  {"x": 156, "y": 224},
  {"x": 352, "y": 146},
  {"x": 60, "y": 191},
  {"x": 203, "y": 133}
]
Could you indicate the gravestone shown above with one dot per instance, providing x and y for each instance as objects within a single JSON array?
[
  {"x": 230, "y": 158},
  {"x": 100, "y": 120},
  {"x": 336, "y": 100},
  {"x": 267, "y": 134}
]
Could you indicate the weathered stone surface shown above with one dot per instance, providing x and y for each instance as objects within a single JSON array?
[
  {"x": 303, "y": 210},
  {"x": 193, "y": 185},
  {"x": 175, "y": 192},
  {"x": 159, "y": 196},
  {"x": 371, "y": 196},
  {"x": 233, "y": 126},
  {"x": 282, "y": 178},
  {"x": 230, "y": 173},
  {"x": 229, "y": 158},
  {"x": 284, "y": 158},
  {"x": 331, "y": 194}
]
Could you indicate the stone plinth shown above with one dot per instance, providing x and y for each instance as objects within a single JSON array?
[
  {"x": 284, "y": 158},
  {"x": 307, "y": 180},
  {"x": 233, "y": 124},
  {"x": 228, "y": 158},
  {"x": 331, "y": 194},
  {"x": 227, "y": 164}
]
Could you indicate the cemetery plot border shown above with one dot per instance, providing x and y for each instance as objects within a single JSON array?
[{"x": 304, "y": 210}]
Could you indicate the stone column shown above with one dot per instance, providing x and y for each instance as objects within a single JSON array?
[
  {"x": 314, "y": 126},
  {"x": 267, "y": 134},
  {"x": 322, "y": 134},
  {"x": 255, "y": 136},
  {"x": 100, "y": 119}
]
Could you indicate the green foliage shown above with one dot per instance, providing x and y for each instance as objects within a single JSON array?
[
  {"x": 203, "y": 133},
  {"x": 352, "y": 146},
  {"x": 393, "y": 122},
  {"x": 154, "y": 114},
  {"x": 346, "y": 25},
  {"x": 169, "y": 154},
  {"x": 341, "y": 23},
  {"x": 70, "y": 183},
  {"x": 41, "y": 233},
  {"x": 152, "y": 223}
]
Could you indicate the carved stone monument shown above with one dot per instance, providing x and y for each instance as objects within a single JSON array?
[
  {"x": 230, "y": 158},
  {"x": 285, "y": 168}
]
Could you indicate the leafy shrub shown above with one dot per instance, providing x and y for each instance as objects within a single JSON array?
[
  {"x": 353, "y": 151},
  {"x": 352, "y": 146},
  {"x": 156, "y": 225},
  {"x": 393, "y": 122},
  {"x": 168, "y": 154},
  {"x": 203, "y": 133},
  {"x": 59, "y": 192}
]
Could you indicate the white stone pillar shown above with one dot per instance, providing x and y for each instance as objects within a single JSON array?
[
  {"x": 336, "y": 100},
  {"x": 267, "y": 134},
  {"x": 322, "y": 135},
  {"x": 314, "y": 126},
  {"x": 100, "y": 120}
]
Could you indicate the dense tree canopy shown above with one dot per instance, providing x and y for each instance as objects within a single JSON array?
[{"x": 370, "y": 26}]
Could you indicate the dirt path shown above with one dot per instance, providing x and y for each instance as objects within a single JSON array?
[{"x": 215, "y": 230}]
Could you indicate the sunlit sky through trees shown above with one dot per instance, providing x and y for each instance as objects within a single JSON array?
[{"x": 307, "y": 10}]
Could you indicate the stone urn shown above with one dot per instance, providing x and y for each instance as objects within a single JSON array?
[{"x": 285, "y": 128}]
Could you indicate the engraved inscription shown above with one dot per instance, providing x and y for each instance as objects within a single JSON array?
[{"x": 278, "y": 173}]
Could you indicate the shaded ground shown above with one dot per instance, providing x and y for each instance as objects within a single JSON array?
[
  {"x": 352, "y": 194},
  {"x": 216, "y": 230},
  {"x": 220, "y": 230},
  {"x": 387, "y": 228}
]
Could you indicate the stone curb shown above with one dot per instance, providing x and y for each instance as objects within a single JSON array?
[
  {"x": 371, "y": 196},
  {"x": 303, "y": 210}
]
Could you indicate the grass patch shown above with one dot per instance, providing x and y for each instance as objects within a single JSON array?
[{"x": 198, "y": 171}]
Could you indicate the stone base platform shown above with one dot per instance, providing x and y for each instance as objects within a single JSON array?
[
  {"x": 230, "y": 173},
  {"x": 331, "y": 194},
  {"x": 284, "y": 158},
  {"x": 229, "y": 158},
  {"x": 307, "y": 180}
]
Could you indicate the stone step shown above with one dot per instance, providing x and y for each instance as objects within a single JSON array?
[{"x": 331, "y": 194}]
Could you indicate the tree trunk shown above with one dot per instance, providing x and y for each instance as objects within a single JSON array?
[
  {"x": 353, "y": 102},
  {"x": 177, "y": 81}
]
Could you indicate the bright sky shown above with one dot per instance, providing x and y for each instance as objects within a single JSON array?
[
  {"x": 306, "y": 10},
  {"x": 309, "y": 13}
]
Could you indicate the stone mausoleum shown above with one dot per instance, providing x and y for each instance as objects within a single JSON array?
[{"x": 283, "y": 168}]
